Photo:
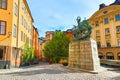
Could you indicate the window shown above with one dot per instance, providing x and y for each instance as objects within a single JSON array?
[
  {"x": 110, "y": 56},
  {"x": 23, "y": 6},
  {"x": 96, "y": 23},
  {"x": 24, "y": 37},
  {"x": 21, "y": 35},
  {"x": 22, "y": 20},
  {"x": 107, "y": 31},
  {"x": 106, "y": 21},
  {"x": 15, "y": 9},
  {"x": 108, "y": 44},
  {"x": 118, "y": 29},
  {"x": 100, "y": 55},
  {"x": 1, "y": 54},
  {"x": 15, "y": 31},
  {"x": 2, "y": 27},
  {"x": 117, "y": 17},
  {"x": 3, "y": 4},
  {"x": 97, "y": 32},
  {"x": 118, "y": 43},
  {"x": 98, "y": 44},
  {"x": 119, "y": 56}
]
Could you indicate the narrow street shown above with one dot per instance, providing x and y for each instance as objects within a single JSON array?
[{"x": 44, "y": 71}]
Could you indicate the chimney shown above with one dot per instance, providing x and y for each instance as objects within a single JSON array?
[{"x": 101, "y": 6}]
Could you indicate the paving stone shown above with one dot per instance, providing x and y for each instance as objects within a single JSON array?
[{"x": 57, "y": 72}]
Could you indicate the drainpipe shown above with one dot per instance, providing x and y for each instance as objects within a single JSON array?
[{"x": 17, "y": 33}]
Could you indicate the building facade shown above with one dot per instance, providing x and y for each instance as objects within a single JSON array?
[
  {"x": 49, "y": 35},
  {"x": 15, "y": 29},
  {"x": 36, "y": 44},
  {"x": 42, "y": 42},
  {"x": 69, "y": 34},
  {"x": 106, "y": 30}
]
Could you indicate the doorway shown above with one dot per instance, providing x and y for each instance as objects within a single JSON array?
[{"x": 1, "y": 54}]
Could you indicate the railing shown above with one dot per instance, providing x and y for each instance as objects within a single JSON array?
[{"x": 115, "y": 63}]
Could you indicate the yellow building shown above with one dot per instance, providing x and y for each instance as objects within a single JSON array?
[
  {"x": 15, "y": 28},
  {"x": 106, "y": 30}
]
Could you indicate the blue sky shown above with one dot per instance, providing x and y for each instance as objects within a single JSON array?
[{"x": 50, "y": 15}]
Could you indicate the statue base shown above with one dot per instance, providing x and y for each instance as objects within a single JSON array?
[{"x": 83, "y": 55}]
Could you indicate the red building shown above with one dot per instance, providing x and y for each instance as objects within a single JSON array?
[
  {"x": 69, "y": 34},
  {"x": 36, "y": 44}
]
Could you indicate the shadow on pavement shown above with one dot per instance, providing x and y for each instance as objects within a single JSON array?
[
  {"x": 40, "y": 71},
  {"x": 116, "y": 78}
]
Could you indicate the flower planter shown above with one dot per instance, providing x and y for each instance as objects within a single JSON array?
[{"x": 65, "y": 64}]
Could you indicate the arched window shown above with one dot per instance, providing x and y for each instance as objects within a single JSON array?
[
  {"x": 119, "y": 56},
  {"x": 110, "y": 55},
  {"x": 100, "y": 55}
]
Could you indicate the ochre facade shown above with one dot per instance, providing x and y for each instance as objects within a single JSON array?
[
  {"x": 16, "y": 25},
  {"x": 106, "y": 30}
]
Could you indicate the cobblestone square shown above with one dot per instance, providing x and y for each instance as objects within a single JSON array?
[{"x": 57, "y": 72}]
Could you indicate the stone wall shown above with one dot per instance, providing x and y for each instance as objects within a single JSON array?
[{"x": 84, "y": 55}]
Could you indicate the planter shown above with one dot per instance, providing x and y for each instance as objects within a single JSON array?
[{"x": 65, "y": 64}]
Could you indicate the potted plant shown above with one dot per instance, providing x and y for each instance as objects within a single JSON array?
[{"x": 64, "y": 62}]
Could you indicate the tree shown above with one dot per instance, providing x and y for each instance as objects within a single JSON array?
[
  {"x": 28, "y": 53},
  {"x": 82, "y": 31},
  {"x": 58, "y": 47}
]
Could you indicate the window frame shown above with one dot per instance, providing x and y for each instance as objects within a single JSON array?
[
  {"x": 5, "y": 5},
  {"x": 99, "y": 44},
  {"x": 108, "y": 43},
  {"x": 100, "y": 55},
  {"x": 118, "y": 55},
  {"x": 107, "y": 31},
  {"x": 15, "y": 9},
  {"x": 21, "y": 35},
  {"x": 117, "y": 19},
  {"x": 118, "y": 41},
  {"x": 110, "y": 57},
  {"x": 117, "y": 29},
  {"x": 15, "y": 31},
  {"x": 96, "y": 23},
  {"x": 5, "y": 27},
  {"x": 106, "y": 20}
]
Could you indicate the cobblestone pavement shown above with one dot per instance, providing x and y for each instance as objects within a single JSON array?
[{"x": 57, "y": 72}]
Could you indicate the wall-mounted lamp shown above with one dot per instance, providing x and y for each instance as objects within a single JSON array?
[{"x": 9, "y": 34}]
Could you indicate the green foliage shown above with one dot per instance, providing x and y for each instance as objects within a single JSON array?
[
  {"x": 58, "y": 47},
  {"x": 82, "y": 31},
  {"x": 28, "y": 53}
]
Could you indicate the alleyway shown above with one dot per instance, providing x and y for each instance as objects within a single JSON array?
[{"x": 45, "y": 71}]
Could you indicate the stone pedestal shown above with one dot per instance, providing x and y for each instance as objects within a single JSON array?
[{"x": 84, "y": 55}]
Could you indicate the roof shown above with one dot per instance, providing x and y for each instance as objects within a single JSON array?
[
  {"x": 51, "y": 32},
  {"x": 35, "y": 29},
  {"x": 116, "y": 2}
]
